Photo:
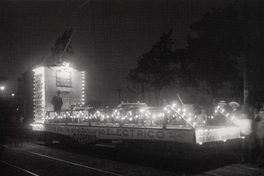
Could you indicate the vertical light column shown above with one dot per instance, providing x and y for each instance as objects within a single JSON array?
[
  {"x": 83, "y": 88},
  {"x": 34, "y": 95},
  {"x": 39, "y": 95}
]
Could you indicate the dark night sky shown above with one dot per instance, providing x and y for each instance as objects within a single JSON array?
[{"x": 107, "y": 43}]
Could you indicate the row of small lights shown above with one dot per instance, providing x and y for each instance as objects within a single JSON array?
[
  {"x": 83, "y": 88},
  {"x": 180, "y": 112},
  {"x": 68, "y": 114},
  {"x": 39, "y": 71},
  {"x": 147, "y": 113},
  {"x": 117, "y": 115}
]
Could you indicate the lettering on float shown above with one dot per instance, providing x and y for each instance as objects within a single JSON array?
[
  {"x": 86, "y": 135},
  {"x": 217, "y": 134},
  {"x": 140, "y": 133},
  {"x": 38, "y": 127}
]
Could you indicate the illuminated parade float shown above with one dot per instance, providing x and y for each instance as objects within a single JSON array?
[{"x": 127, "y": 122}]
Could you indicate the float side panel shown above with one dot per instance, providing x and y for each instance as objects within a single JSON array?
[
  {"x": 89, "y": 134},
  {"x": 210, "y": 134}
]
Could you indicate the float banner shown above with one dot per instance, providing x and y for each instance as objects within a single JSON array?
[
  {"x": 89, "y": 134},
  {"x": 39, "y": 94},
  {"x": 208, "y": 134},
  {"x": 38, "y": 127}
]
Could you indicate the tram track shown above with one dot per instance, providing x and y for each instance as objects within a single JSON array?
[
  {"x": 247, "y": 169},
  {"x": 73, "y": 164},
  {"x": 76, "y": 164},
  {"x": 114, "y": 155},
  {"x": 234, "y": 169},
  {"x": 19, "y": 168}
]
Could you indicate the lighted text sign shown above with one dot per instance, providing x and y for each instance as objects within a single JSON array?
[
  {"x": 217, "y": 134},
  {"x": 39, "y": 95},
  {"x": 88, "y": 134}
]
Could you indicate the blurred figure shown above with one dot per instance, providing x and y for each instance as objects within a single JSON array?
[
  {"x": 201, "y": 119},
  {"x": 57, "y": 102},
  {"x": 235, "y": 108},
  {"x": 245, "y": 122},
  {"x": 220, "y": 119},
  {"x": 260, "y": 135}
]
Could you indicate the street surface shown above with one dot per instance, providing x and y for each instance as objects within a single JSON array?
[{"x": 31, "y": 157}]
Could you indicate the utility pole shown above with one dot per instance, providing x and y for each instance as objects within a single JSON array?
[
  {"x": 90, "y": 2},
  {"x": 119, "y": 94},
  {"x": 142, "y": 92},
  {"x": 246, "y": 62},
  {"x": 246, "y": 80}
]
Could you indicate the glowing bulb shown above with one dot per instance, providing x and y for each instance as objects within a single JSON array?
[{"x": 142, "y": 110}]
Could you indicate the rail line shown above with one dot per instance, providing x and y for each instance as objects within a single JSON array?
[
  {"x": 244, "y": 169},
  {"x": 19, "y": 168},
  {"x": 63, "y": 161},
  {"x": 247, "y": 168},
  {"x": 75, "y": 164}
]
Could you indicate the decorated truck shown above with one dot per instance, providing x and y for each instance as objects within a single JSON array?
[{"x": 129, "y": 122}]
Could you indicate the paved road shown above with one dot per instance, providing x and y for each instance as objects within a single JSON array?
[{"x": 16, "y": 160}]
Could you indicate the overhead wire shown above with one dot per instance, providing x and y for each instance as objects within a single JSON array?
[{"x": 90, "y": 2}]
